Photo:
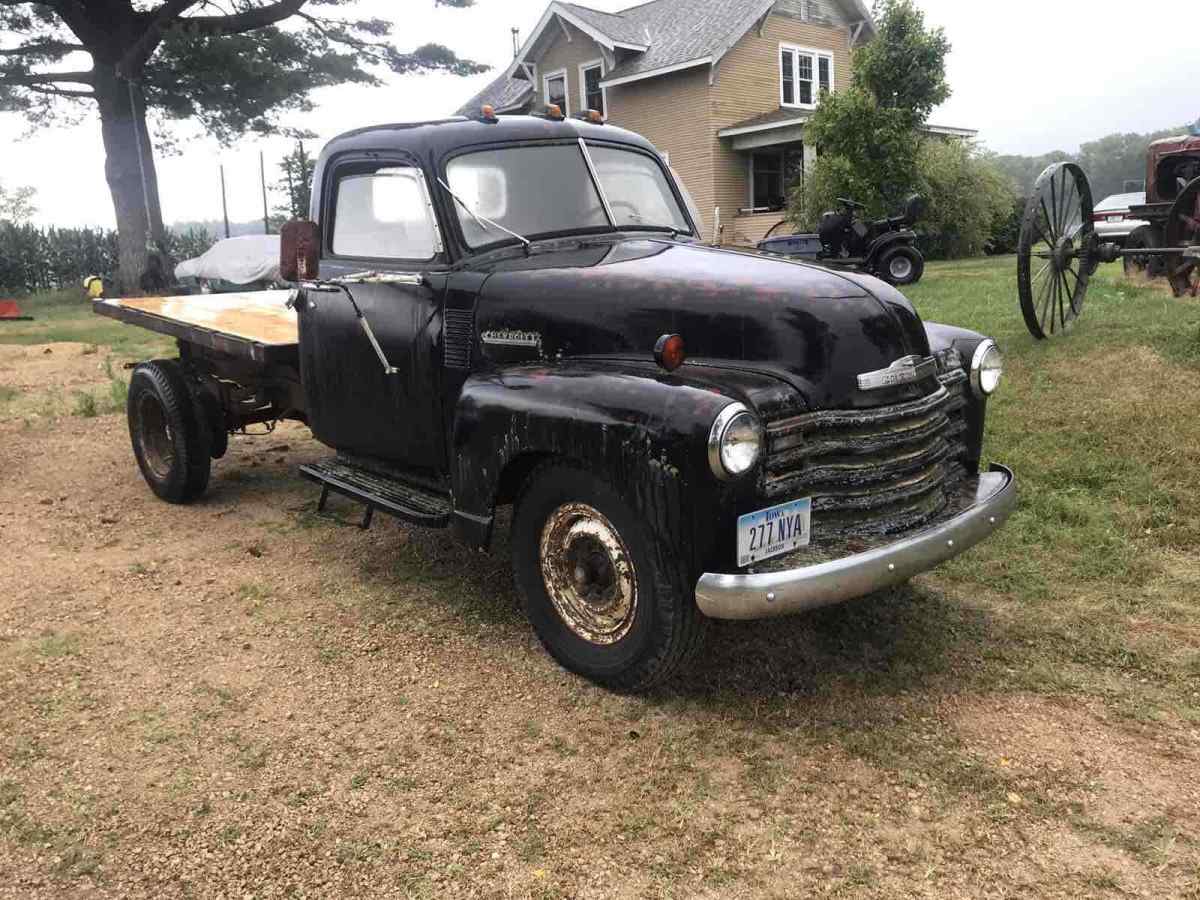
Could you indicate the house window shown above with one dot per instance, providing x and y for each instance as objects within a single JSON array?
[
  {"x": 591, "y": 95},
  {"x": 773, "y": 171},
  {"x": 803, "y": 75},
  {"x": 554, "y": 87}
]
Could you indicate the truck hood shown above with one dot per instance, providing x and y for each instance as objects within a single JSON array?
[{"x": 811, "y": 327}]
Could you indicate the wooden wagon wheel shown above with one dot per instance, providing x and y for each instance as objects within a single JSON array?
[
  {"x": 1183, "y": 232},
  {"x": 1057, "y": 251}
]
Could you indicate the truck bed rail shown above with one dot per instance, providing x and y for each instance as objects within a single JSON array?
[{"x": 254, "y": 325}]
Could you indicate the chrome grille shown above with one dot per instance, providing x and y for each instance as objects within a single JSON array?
[{"x": 872, "y": 471}]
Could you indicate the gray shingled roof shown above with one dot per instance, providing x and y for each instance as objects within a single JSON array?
[
  {"x": 684, "y": 30},
  {"x": 780, "y": 116},
  {"x": 677, "y": 31},
  {"x": 502, "y": 93},
  {"x": 622, "y": 27}
]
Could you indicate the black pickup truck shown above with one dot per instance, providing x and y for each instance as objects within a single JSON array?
[{"x": 517, "y": 311}]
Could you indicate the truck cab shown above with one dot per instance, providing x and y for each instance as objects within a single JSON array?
[{"x": 518, "y": 311}]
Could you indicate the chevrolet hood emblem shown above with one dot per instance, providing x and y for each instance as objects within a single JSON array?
[{"x": 907, "y": 370}]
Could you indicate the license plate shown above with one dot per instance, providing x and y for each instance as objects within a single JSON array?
[
  {"x": 771, "y": 532},
  {"x": 1116, "y": 218}
]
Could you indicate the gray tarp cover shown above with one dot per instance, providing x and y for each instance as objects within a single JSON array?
[{"x": 239, "y": 260}]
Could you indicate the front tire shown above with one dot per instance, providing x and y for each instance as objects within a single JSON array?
[
  {"x": 607, "y": 599},
  {"x": 171, "y": 438},
  {"x": 901, "y": 265}
]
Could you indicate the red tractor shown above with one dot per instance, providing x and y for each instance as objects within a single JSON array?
[{"x": 1171, "y": 164}]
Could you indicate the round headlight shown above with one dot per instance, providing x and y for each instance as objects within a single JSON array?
[
  {"x": 735, "y": 442},
  {"x": 986, "y": 368}
]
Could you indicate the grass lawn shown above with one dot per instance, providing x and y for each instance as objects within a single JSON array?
[
  {"x": 1098, "y": 573},
  {"x": 268, "y": 687},
  {"x": 67, "y": 316}
]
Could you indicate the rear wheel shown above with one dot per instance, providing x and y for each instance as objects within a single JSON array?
[
  {"x": 171, "y": 438},
  {"x": 901, "y": 265},
  {"x": 606, "y": 598},
  {"x": 1144, "y": 237}
]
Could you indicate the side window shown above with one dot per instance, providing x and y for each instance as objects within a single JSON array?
[{"x": 384, "y": 214}]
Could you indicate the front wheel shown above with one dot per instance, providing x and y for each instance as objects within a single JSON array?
[
  {"x": 901, "y": 265},
  {"x": 606, "y": 598},
  {"x": 171, "y": 438}
]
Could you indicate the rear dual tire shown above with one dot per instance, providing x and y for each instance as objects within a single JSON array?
[
  {"x": 606, "y": 597},
  {"x": 171, "y": 432}
]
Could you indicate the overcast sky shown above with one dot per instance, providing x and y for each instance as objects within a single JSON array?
[{"x": 1031, "y": 75}]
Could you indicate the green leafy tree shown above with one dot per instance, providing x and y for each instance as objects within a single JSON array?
[
  {"x": 969, "y": 198},
  {"x": 16, "y": 206},
  {"x": 234, "y": 67},
  {"x": 868, "y": 136},
  {"x": 904, "y": 68},
  {"x": 296, "y": 170}
]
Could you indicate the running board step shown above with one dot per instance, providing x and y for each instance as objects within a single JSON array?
[{"x": 378, "y": 492}]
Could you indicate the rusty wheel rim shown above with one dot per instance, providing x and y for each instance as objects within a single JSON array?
[
  {"x": 154, "y": 436},
  {"x": 588, "y": 573}
]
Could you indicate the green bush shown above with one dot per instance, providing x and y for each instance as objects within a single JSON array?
[{"x": 968, "y": 198}]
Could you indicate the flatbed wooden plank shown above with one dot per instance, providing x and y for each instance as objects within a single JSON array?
[{"x": 255, "y": 324}]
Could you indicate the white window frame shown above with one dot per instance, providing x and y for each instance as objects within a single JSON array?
[
  {"x": 550, "y": 76},
  {"x": 816, "y": 55},
  {"x": 583, "y": 67}
]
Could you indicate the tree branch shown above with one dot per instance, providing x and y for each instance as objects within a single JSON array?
[
  {"x": 40, "y": 47},
  {"x": 34, "y": 78},
  {"x": 240, "y": 23},
  {"x": 58, "y": 92},
  {"x": 133, "y": 60}
]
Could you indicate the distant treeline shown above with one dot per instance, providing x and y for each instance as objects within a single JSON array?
[
  {"x": 41, "y": 259},
  {"x": 1109, "y": 162}
]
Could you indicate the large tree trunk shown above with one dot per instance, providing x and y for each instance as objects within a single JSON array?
[{"x": 133, "y": 182}]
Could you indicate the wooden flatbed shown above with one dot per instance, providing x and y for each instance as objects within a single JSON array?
[{"x": 254, "y": 325}]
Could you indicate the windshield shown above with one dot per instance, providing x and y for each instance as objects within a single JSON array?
[{"x": 545, "y": 189}]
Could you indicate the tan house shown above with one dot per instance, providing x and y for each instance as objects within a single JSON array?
[{"x": 721, "y": 87}]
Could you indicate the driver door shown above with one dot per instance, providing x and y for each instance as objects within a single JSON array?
[{"x": 377, "y": 218}]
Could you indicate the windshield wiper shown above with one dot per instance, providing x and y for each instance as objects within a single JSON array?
[{"x": 484, "y": 221}]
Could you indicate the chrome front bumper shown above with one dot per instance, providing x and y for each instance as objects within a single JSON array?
[{"x": 782, "y": 593}]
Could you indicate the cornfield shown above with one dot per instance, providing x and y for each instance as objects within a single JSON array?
[{"x": 43, "y": 259}]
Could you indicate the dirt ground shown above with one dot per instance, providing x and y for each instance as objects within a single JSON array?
[{"x": 244, "y": 699}]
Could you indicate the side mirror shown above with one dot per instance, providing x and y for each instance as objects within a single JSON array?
[{"x": 299, "y": 250}]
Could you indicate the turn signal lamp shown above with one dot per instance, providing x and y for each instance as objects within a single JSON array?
[
  {"x": 554, "y": 111},
  {"x": 669, "y": 352},
  {"x": 593, "y": 116},
  {"x": 488, "y": 113}
]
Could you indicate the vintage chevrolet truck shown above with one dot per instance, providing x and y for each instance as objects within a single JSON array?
[{"x": 516, "y": 311}]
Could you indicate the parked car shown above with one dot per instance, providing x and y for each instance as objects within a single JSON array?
[
  {"x": 517, "y": 311},
  {"x": 1113, "y": 221}
]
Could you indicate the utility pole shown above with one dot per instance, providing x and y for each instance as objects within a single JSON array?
[
  {"x": 224, "y": 202},
  {"x": 262, "y": 172}
]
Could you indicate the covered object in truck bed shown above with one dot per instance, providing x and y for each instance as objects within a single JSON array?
[{"x": 246, "y": 260}]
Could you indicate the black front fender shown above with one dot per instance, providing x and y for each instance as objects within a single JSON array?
[{"x": 641, "y": 429}]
